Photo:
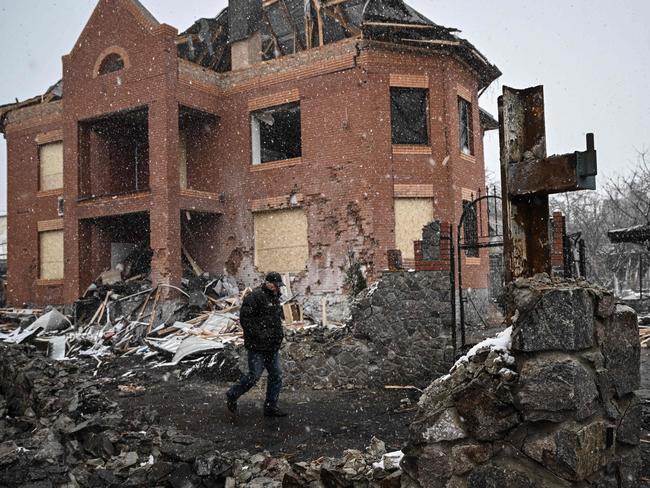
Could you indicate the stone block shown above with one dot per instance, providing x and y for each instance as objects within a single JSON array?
[
  {"x": 629, "y": 427},
  {"x": 446, "y": 427},
  {"x": 629, "y": 468},
  {"x": 554, "y": 389},
  {"x": 433, "y": 467},
  {"x": 561, "y": 320},
  {"x": 465, "y": 457},
  {"x": 619, "y": 342},
  {"x": 574, "y": 452},
  {"x": 606, "y": 306},
  {"x": 486, "y": 417},
  {"x": 491, "y": 475}
]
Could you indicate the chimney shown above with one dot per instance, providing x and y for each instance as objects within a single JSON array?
[{"x": 244, "y": 20}]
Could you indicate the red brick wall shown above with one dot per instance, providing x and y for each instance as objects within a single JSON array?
[{"x": 346, "y": 175}]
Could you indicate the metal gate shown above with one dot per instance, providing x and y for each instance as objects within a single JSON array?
[{"x": 480, "y": 227}]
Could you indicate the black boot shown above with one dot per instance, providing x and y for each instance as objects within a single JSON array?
[
  {"x": 231, "y": 403},
  {"x": 273, "y": 411}
]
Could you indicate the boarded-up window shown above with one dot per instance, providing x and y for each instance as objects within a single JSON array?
[
  {"x": 50, "y": 254},
  {"x": 50, "y": 173},
  {"x": 281, "y": 240},
  {"x": 411, "y": 214}
]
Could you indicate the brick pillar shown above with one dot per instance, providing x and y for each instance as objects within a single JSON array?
[
  {"x": 559, "y": 231},
  {"x": 164, "y": 183}
]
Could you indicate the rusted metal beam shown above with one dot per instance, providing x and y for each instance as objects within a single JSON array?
[
  {"x": 522, "y": 131},
  {"x": 528, "y": 177},
  {"x": 555, "y": 174}
]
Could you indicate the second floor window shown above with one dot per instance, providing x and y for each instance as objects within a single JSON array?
[
  {"x": 409, "y": 115},
  {"x": 275, "y": 133},
  {"x": 50, "y": 168},
  {"x": 465, "y": 126}
]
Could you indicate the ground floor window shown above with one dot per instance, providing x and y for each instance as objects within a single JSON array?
[
  {"x": 411, "y": 214},
  {"x": 50, "y": 254},
  {"x": 281, "y": 240}
]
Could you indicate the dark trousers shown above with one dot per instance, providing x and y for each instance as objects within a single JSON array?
[{"x": 257, "y": 363}]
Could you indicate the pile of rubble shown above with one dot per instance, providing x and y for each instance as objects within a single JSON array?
[
  {"x": 550, "y": 402},
  {"x": 123, "y": 317},
  {"x": 59, "y": 429}
]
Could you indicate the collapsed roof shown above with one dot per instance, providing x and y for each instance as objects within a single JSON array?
[{"x": 289, "y": 26}]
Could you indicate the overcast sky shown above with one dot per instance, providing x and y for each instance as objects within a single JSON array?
[{"x": 592, "y": 56}]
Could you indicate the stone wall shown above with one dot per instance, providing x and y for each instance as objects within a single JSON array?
[
  {"x": 556, "y": 409},
  {"x": 399, "y": 333}
]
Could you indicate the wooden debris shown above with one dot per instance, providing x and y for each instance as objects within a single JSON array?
[{"x": 644, "y": 336}]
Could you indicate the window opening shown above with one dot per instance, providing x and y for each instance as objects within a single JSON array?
[
  {"x": 470, "y": 228},
  {"x": 111, "y": 63},
  {"x": 275, "y": 133},
  {"x": 465, "y": 126},
  {"x": 409, "y": 115}
]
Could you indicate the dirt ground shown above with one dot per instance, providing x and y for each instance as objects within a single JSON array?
[{"x": 320, "y": 422}]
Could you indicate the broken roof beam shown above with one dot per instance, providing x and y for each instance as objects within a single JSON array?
[
  {"x": 319, "y": 21},
  {"x": 555, "y": 174},
  {"x": 338, "y": 14}
]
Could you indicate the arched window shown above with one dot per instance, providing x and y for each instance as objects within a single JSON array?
[{"x": 112, "y": 62}]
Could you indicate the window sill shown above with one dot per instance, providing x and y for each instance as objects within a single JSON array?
[
  {"x": 411, "y": 149},
  {"x": 50, "y": 193},
  {"x": 189, "y": 192},
  {"x": 84, "y": 200},
  {"x": 472, "y": 261},
  {"x": 275, "y": 164},
  {"x": 468, "y": 157},
  {"x": 44, "y": 282}
]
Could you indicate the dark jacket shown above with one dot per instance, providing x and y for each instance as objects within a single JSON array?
[{"x": 260, "y": 317}]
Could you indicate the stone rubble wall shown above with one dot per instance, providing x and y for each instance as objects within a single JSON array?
[
  {"x": 399, "y": 333},
  {"x": 557, "y": 410}
]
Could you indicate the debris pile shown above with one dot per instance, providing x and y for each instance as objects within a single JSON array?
[
  {"x": 119, "y": 316},
  {"x": 550, "y": 402},
  {"x": 59, "y": 429}
]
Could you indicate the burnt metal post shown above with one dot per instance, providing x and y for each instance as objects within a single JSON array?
[{"x": 528, "y": 177}]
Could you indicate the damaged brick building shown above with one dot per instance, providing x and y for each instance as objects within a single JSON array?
[{"x": 281, "y": 134}]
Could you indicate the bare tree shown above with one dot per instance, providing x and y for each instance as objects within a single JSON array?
[
  {"x": 624, "y": 202},
  {"x": 629, "y": 196}
]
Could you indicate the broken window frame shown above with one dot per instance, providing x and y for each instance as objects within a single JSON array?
[
  {"x": 465, "y": 127},
  {"x": 404, "y": 121},
  {"x": 257, "y": 127},
  {"x": 111, "y": 63},
  {"x": 41, "y": 186}
]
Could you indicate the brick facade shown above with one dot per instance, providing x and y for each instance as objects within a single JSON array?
[{"x": 346, "y": 178}]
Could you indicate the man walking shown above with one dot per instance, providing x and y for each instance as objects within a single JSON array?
[{"x": 260, "y": 317}]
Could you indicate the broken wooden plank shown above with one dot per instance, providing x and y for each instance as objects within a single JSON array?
[{"x": 195, "y": 267}]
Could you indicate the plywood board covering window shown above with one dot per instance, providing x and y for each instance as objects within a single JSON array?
[
  {"x": 50, "y": 173},
  {"x": 411, "y": 214},
  {"x": 51, "y": 254},
  {"x": 281, "y": 240}
]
